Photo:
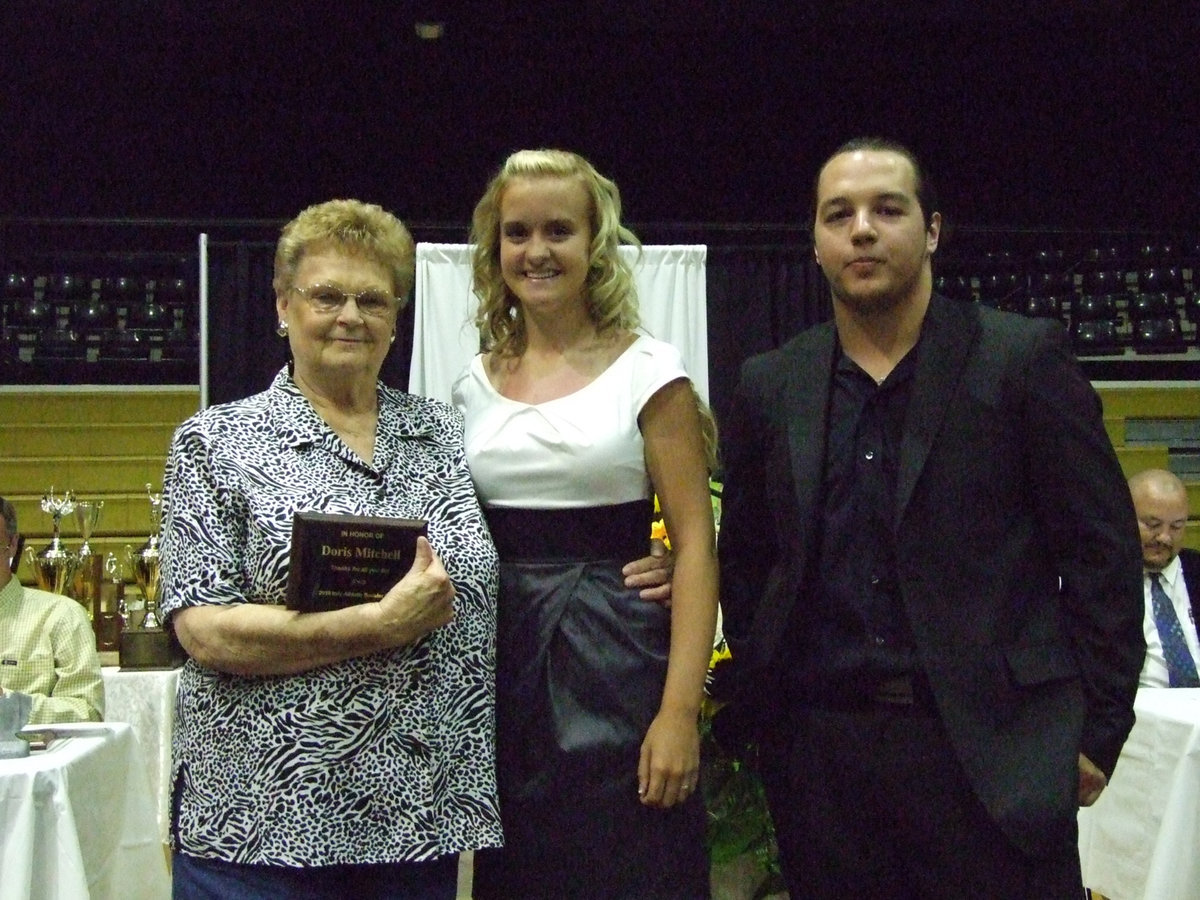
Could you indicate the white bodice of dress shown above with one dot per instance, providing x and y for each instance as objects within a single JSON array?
[{"x": 584, "y": 449}]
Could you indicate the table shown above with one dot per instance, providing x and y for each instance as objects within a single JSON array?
[
  {"x": 1139, "y": 840},
  {"x": 77, "y": 822},
  {"x": 146, "y": 700}
]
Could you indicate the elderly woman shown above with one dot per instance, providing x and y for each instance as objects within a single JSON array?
[{"x": 345, "y": 753}]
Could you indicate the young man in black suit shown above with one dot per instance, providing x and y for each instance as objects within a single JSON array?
[
  {"x": 929, "y": 564},
  {"x": 1172, "y": 648}
]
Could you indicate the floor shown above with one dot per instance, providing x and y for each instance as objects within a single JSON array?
[
  {"x": 730, "y": 882},
  {"x": 464, "y": 876}
]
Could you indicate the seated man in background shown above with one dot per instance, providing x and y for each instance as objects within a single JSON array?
[
  {"x": 1172, "y": 580},
  {"x": 47, "y": 648}
]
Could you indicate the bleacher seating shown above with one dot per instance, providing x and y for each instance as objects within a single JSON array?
[
  {"x": 98, "y": 303},
  {"x": 1115, "y": 300}
]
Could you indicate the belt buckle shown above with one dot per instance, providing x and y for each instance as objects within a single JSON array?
[{"x": 897, "y": 691}]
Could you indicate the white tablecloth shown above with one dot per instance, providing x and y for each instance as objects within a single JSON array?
[
  {"x": 1141, "y": 840},
  {"x": 77, "y": 822},
  {"x": 146, "y": 700}
]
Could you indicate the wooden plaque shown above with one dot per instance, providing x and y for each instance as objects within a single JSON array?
[{"x": 340, "y": 560}]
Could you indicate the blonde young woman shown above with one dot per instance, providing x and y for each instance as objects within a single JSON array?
[{"x": 573, "y": 421}]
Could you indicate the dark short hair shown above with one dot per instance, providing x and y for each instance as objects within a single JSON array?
[
  {"x": 9, "y": 512},
  {"x": 926, "y": 196}
]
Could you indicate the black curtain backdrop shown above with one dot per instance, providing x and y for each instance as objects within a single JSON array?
[
  {"x": 758, "y": 297},
  {"x": 763, "y": 286},
  {"x": 244, "y": 351}
]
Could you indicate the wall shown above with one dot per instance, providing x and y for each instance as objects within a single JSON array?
[{"x": 101, "y": 444}]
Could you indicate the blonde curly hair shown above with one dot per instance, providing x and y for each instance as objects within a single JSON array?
[{"x": 611, "y": 295}]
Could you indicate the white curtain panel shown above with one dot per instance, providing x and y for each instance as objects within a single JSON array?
[
  {"x": 444, "y": 335},
  {"x": 672, "y": 303}
]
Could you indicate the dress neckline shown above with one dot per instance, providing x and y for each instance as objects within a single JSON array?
[{"x": 482, "y": 371}]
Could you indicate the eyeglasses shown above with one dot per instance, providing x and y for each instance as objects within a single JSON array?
[{"x": 327, "y": 298}]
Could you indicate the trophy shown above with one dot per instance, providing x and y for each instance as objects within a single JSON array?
[
  {"x": 55, "y": 565},
  {"x": 131, "y": 607},
  {"x": 144, "y": 564},
  {"x": 148, "y": 645},
  {"x": 110, "y": 606},
  {"x": 89, "y": 570}
]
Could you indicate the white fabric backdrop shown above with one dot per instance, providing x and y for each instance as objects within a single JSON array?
[{"x": 672, "y": 304}]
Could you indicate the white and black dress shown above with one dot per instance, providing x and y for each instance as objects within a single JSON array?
[{"x": 581, "y": 659}]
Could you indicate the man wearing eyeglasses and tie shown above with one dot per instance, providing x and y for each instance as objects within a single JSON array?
[{"x": 1172, "y": 581}]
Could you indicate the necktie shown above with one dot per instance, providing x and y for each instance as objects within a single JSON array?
[{"x": 1181, "y": 668}]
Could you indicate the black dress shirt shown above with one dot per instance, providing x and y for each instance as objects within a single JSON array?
[{"x": 857, "y": 630}]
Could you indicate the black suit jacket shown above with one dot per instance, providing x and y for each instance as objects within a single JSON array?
[
  {"x": 1007, "y": 483},
  {"x": 1189, "y": 562}
]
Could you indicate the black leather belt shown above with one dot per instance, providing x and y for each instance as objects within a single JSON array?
[
  {"x": 910, "y": 692},
  {"x": 906, "y": 690}
]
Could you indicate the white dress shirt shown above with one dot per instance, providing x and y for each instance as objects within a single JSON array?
[{"x": 1154, "y": 670}]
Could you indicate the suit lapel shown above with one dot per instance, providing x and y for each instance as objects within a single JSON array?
[
  {"x": 1189, "y": 561},
  {"x": 946, "y": 338},
  {"x": 809, "y": 362},
  {"x": 812, "y": 369}
]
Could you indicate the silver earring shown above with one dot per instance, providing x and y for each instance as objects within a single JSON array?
[
  {"x": 281, "y": 328},
  {"x": 393, "y": 338}
]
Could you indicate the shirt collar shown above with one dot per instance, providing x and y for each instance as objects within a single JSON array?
[
  {"x": 298, "y": 424},
  {"x": 11, "y": 592},
  {"x": 1170, "y": 572},
  {"x": 901, "y": 372}
]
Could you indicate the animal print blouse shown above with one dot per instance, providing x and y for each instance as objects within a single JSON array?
[{"x": 376, "y": 759}]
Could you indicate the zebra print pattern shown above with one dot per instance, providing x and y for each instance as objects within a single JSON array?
[{"x": 377, "y": 759}]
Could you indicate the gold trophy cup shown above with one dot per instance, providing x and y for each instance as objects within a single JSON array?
[
  {"x": 148, "y": 646},
  {"x": 144, "y": 565},
  {"x": 55, "y": 565},
  {"x": 89, "y": 572}
]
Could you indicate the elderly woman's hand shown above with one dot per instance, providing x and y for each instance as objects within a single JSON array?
[
  {"x": 420, "y": 601},
  {"x": 265, "y": 639}
]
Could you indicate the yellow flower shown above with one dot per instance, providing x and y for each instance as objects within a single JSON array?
[
  {"x": 720, "y": 652},
  {"x": 658, "y": 529}
]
